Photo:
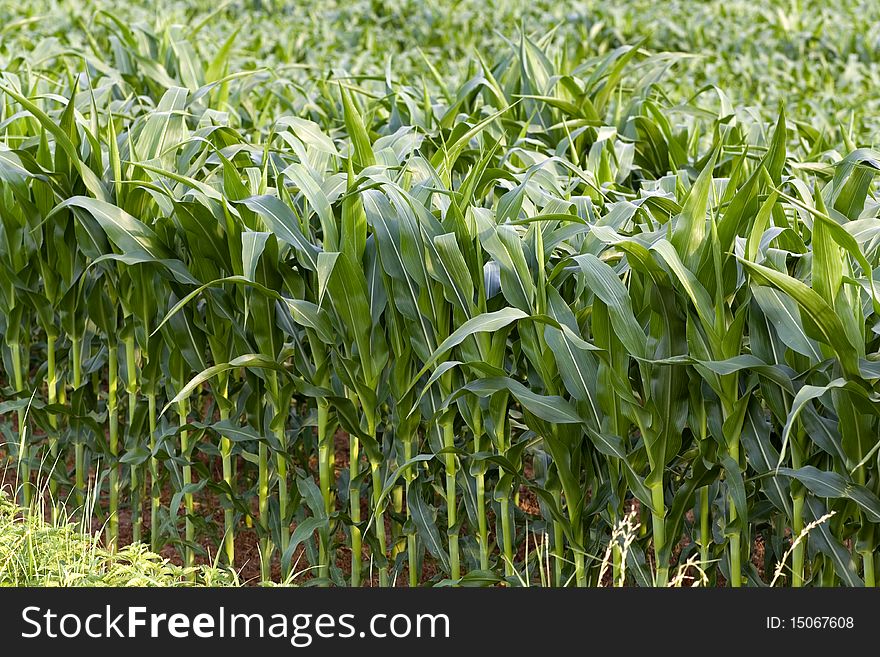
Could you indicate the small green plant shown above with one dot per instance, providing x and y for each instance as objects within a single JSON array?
[{"x": 39, "y": 552}]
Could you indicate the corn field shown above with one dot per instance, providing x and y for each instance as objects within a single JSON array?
[{"x": 441, "y": 320}]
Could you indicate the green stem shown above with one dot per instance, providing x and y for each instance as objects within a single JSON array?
[
  {"x": 23, "y": 448},
  {"x": 616, "y": 564},
  {"x": 658, "y": 518},
  {"x": 559, "y": 548},
  {"x": 266, "y": 547},
  {"x": 155, "y": 488},
  {"x": 112, "y": 384},
  {"x": 78, "y": 448},
  {"x": 189, "y": 528},
  {"x": 558, "y": 544},
  {"x": 229, "y": 512},
  {"x": 828, "y": 576},
  {"x": 735, "y": 538},
  {"x": 868, "y": 565},
  {"x": 397, "y": 540},
  {"x": 281, "y": 465},
  {"x": 506, "y": 537},
  {"x": 283, "y": 494},
  {"x": 449, "y": 443},
  {"x": 797, "y": 555},
  {"x": 52, "y": 376},
  {"x": 705, "y": 532},
  {"x": 131, "y": 388},
  {"x": 482, "y": 522},
  {"x": 616, "y": 513},
  {"x": 354, "y": 495},
  {"x": 376, "y": 473},
  {"x": 411, "y": 554},
  {"x": 580, "y": 571},
  {"x": 507, "y": 531},
  {"x": 867, "y": 555},
  {"x": 735, "y": 555},
  {"x": 325, "y": 477},
  {"x": 729, "y": 383},
  {"x": 797, "y": 522},
  {"x": 506, "y": 528}
]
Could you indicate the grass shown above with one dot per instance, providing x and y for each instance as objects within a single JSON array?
[
  {"x": 368, "y": 287},
  {"x": 36, "y": 552}
]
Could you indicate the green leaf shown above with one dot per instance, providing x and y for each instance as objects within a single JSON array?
[
  {"x": 550, "y": 408},
  {"x": 782, "y": 312},
  {"x": 689, "y": 229},
  {"x": 362, "y": 148},
  {"x": 832, "y": 484},
  {"x": 247, "y": 360},
  {"x": 603, "y": 282},
  {"x": 485, "y": 323},
  {"x": 281, "y": 221},
  {"x": 425, "y": 521},
  {"x": 815, "y": 309},
  {"x": 346, "y": 286},
  {"x": 252, "y": 245},
  {"x": 304, "y": 530},
  {"x": 127, "y": 233}
]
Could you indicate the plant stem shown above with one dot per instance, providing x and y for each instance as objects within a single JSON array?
[
  {"x": 506, "y": 528},
  {"x": 78, "y": 448},
  {"x": 868, "y": 565},
  {"x": 616, "y": 564},
  {"x": 558, "y": 544},
  {"x": 226, "y": 456},
  {"x": 325, "y": 452},
  {"x": 281, "y": 464},
  {"x": 797, "y": 522},
  {"x": 23, "y": 449},
  {"x": 283, "y": 492},
  {"x": 283, "y": 495},
  {"x": 112, "y": 382},
  {"x": 616, "y": 513},
  {"x": 705, "y": 531},
  {"x": 376, "y": 473},
  {"x": 397, "y": 541},
  {"x": 506, "y": 537},
  {"x": 52, "y": 376},
  {"x": 866, "y": 555},
  {"x": 354, "y": 495},
  {"x": 735, "y": 555},
  {"x": 797, "y": 555},
  {"x": 659, "y": 528},
  {"x": 189, "y": 529},
  {"x": 266, "y": 547},
  {"x": 735, "y": 538},
  {"x": 411, "y": 554},
  {"x": 131, "y": 388},
  {"x": 559, "y": 560},
  {"x": 580, "y": 571},
  {"x": 482, "y": 522},
  {"x": 448, "y": 443},
  {"x": 155, "y": 489}
]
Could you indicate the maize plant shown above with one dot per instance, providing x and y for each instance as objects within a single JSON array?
[{"x": 400, "y": 322}]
